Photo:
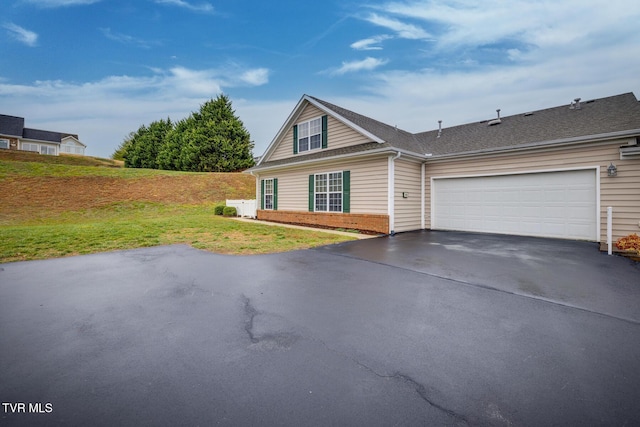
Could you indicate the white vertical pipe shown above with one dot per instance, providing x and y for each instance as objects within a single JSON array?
[
  {"x": 609, "y": 230},
  {"x": 422, "y": 198}
]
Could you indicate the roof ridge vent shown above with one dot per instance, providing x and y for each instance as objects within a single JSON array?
[
  {"x": 495, "y": 121},
  {"x": 575, "y": 104}
]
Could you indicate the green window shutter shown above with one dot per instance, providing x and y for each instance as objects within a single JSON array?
[
  {"x": 295, "y": 139},
  {"x": 346, "y": 191},
  {"x": 324, "y": 131},
  {"x": 275, "y": 194},
  {"x": 262, "y": 194},
  {"x": 311, "y": 193}
]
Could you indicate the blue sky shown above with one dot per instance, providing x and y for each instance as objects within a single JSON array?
[{"x": 101, "y": 68}]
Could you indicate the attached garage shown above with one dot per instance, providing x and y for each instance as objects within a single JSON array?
[{"x": 561, "y": 204}]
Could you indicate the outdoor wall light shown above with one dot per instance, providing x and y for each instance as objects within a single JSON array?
[{"x": 612, "y": 170}]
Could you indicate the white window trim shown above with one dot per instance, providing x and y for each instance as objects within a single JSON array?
[
  {"x": 30, "y": 144},
  {"x": 308, "y": 122},
  {"x": 48, "y": 148},
  {"x": 328, "y": 192},
  {"x": 272, "y": 194},
  {"x": 7, "y": 142}
]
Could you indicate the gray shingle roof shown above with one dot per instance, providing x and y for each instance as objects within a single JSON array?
[
  {"x": 10, "y": 125},
  {"x": 555, "y": 125},
  {"x": 396, "y": 137},
  {"x": 42, "y": 135},
  {"x": 595, "y": 117},
  {"x": 326, "y": 154},
  {"x": 14, "y": 126}
]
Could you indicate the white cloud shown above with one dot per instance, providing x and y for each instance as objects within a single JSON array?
[
  {"x": 202, "y": 7},
  {"x": 21, "y": 34},
  {"x": 541, "y": 23},
  {"x": 366, "y": 64},
  {"x": 127, "y": 39},
  {"x": 103, "y": 112},
  {"x": 255, "y": 77},
  {"x": 403, "y": 30},
  {"x": 371, "y": 43},
  {"x": 61, "y": 3}
]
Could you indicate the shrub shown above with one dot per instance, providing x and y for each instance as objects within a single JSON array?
[
  {"x": 629, "y": 243},
  {"x": 218, "y": 210},
  {"x": 229, "y": 211}
]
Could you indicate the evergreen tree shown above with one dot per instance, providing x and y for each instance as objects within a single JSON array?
[
  {"x": 142, "y": 150},
  {"x": 122, "y": 148},
  {"x": 213, "y": 139}
]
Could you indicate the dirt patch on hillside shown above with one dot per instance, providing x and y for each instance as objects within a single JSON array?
[
  {"x": 62, "y": 159},
  {"x": 56, "y": 194}
]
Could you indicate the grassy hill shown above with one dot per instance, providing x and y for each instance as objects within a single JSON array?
[
  {"x": 65, "y": 205},
  {"x": 36, "y": 186}
]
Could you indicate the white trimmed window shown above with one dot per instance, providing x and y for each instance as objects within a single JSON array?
[
  {"x": 269, "y": 190},
  {"x": 45, "y": 149},
  {"x": 4, "y": 143},
  {"x": 310, "y": 135},
  {"x": 28, "y": 146},
  {"x": 268, "y": 194},
  {"x": 328, "y": 192}
]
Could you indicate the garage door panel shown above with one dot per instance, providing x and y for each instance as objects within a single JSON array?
[{"x": 551, "y": 204}]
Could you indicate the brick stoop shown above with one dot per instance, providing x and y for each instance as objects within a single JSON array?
[{"x": 363, "y": 222}]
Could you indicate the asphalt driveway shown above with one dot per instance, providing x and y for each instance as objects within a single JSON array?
[{"x": 416, "y": 329}]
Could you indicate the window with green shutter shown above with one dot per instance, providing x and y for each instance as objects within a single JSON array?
[
  {"x": 269, "y": 194},
  {"x": 310, "y": 135},
  {"x": 330, "y": 192},
  {"x": 295, "y": 139},
  {"x": 325, "y": 121}
]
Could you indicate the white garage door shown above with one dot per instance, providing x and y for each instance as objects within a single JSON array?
[{"x": 550, "y": 204}]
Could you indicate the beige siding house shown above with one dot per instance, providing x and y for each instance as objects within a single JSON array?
[{"x": 548, "y": 173}]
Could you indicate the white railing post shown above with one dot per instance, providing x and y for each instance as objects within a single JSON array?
[{"x": 609, "y": 230}]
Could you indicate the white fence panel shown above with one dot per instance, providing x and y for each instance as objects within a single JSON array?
[{"x": 245, "y": 208}]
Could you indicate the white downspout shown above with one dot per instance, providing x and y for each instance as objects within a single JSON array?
[
  {"x": 391, "y": 191},
  {"x": 422, "y": 197},
  {"x": 257, "y": 177},
  {"x": 609, "y": 230}
]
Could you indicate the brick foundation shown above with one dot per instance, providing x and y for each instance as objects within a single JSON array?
[{"x": 363, "y": 222}]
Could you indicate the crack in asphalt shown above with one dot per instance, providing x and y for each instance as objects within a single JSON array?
[
  {"x": 278, "y": 340},
  {"x": 421, "y": 389},
  {"x": 251, "y": 313},
  {"x": 486, "y": 287}
]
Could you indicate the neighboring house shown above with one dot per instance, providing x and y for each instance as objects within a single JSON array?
[
  {"x": 14, "y": 136},
  {"x": 541, "y": 173}
]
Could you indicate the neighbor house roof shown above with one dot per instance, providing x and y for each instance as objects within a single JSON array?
[
  {"x": 42, "y": 135},
  {"x": 14, "y": 126},
  {"x": 11, "y": 125},
  {"x": 576, "y": 122}
]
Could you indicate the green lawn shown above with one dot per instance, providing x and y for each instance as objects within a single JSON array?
[
  {"x": 53, "y": 206},
  {"x": 127, "y": 226}
]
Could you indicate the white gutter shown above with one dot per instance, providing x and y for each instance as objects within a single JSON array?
[
  {"x": 391, "y": 191},
  {"x": 551, "y": 144}
]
